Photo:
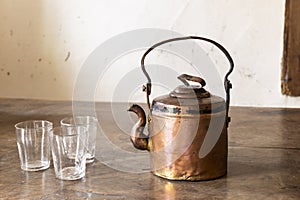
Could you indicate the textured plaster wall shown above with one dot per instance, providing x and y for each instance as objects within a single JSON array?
[{"x": 43, "y": 44}]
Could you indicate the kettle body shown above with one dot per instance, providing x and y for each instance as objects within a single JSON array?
[{"x": 187, "y": 129}]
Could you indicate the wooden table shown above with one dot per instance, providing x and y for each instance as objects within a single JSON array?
[{"x": 263, "y": 163}]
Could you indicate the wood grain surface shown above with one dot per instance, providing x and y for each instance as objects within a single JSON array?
[{"x": 290, "y": 77}]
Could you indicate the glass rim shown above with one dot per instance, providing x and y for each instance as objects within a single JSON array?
[
  {"x": 54, "y": 130},
  {"x": 67, "y": 121},
  {"x": 24, "y": 124}
]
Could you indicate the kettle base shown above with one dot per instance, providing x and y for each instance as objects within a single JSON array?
[{"x": 184, "y": 177}]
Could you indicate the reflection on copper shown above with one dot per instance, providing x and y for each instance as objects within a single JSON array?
[{"x": 170, "y": 192}]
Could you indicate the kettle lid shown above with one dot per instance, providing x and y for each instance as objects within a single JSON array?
[
  {"x": 188, "y": 100},
  {"x": 183, "y": 91}
]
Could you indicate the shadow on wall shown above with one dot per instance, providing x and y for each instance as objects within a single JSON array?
[{"x": 33, "y": 51}]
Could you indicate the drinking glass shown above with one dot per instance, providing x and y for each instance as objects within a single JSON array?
[
  {"x": 69, "y": 151},
  {"x": 33, "y": 143},
  {"x": 91, "y": 124}
]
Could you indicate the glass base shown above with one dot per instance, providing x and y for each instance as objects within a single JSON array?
[
  {"x": 70, "y": 173},
  {"x": 90, "y": 157},
  {"x": 90, "y": 160},
  {"x": 35, "y": 166}
]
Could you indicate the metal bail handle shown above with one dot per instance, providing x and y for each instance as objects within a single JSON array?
[{"x": 227, "y": 83}]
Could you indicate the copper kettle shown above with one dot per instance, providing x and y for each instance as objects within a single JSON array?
[{"x": 180, "y": 127}]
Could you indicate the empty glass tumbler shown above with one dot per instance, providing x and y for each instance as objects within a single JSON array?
[
  {"x": 34, "y": 144},
  {"x": 69, "y": 151},
  {"x": 91, "y": 124}
]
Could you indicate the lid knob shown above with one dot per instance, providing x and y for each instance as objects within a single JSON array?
[{"x": 185, "y": 77}]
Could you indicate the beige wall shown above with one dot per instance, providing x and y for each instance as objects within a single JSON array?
[
  {"x": 44, "y": 43},
  {"x": 36, "y": 38},
  {"x": 33, "y": 48}
]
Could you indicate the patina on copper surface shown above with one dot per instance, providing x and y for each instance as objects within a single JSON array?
[
  {"x": 179, "y": 122},
  {"x": 184, "y": 132}
]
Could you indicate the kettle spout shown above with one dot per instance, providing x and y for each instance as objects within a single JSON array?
[{"x": 138, "y": 138}]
